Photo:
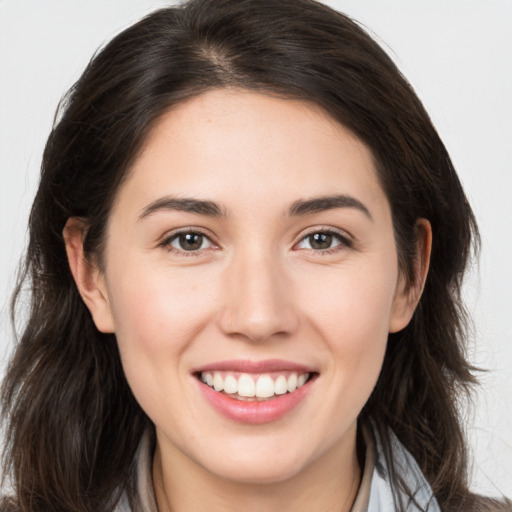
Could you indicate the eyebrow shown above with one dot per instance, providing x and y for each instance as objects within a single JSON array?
[
  {"x": 212, "y": 209},
  {"x": 168, "y": 203},
  {"x": 320, "y": 204}
]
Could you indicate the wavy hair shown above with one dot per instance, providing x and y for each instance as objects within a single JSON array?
[{"x": 72, "y": 423}]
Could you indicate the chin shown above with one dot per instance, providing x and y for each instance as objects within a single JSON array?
[
  {"x": 261, "y": 462},
  {"x": 256, "y": 473}
]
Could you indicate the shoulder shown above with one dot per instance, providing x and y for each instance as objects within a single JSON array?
[{"x": 398, "y": 482}]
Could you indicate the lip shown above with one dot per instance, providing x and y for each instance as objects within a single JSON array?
[
  {"x": 256, "y": 367},
  {"x": 255, "y": 412}
]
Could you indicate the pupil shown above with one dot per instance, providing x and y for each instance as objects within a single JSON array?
[
  {"x": 191, "y": 241},
  {"x": 320, "y": 240}
]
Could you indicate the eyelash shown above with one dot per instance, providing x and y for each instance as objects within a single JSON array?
[
  {"x": 344, "y": 242},
  {"x": 166, "y": 243}
]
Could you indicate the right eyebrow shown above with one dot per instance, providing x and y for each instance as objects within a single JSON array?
[
  {"x": 169, "y": 203},
  {"x": 320, "y": 204}
]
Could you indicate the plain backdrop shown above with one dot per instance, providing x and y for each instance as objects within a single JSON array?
[{"x": 456, "y": 53}]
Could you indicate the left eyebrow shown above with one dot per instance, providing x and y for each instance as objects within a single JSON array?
[
  {"x": 169, "y": 203},
  {"x": 320, "y": 204}
]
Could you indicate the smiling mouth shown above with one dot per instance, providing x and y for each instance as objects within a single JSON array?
[{"x": 254, "y": 387}]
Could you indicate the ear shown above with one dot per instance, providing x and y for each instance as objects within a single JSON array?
[
  {"x": 89, "y": 280},
  {"x": 408, "y": 294}
]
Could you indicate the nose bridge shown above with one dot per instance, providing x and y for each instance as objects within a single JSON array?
[{"x": 257, "y": 300}]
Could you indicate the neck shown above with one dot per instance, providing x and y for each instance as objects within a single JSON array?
[{"x": 330, "y": 483}]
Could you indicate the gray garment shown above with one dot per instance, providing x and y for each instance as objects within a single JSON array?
[
  {"x": 375, "y": 493},
  {"x": 381, "y": 491}
]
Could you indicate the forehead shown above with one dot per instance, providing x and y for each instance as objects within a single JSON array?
[{"x": 238, "y": 144}]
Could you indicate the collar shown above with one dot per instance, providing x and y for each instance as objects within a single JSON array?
[
  {"x": 384, "y": 496},
  {"x": 376, "y": 492}
]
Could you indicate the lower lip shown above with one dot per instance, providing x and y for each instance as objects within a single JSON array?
[{"x": 255, "y": 412}]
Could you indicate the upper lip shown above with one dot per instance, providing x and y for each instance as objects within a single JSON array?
[{"x": 247, "y": 366}]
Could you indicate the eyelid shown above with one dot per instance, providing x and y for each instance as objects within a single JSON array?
[
  {"x": 168, "y": 237},
  {"x": 346, "y": 240}
]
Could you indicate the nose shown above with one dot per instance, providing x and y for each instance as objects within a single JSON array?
[{"x": 257, "y": 300}]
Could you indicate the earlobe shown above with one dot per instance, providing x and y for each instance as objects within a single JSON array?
[
  {"x": 408, "y": 294},
  {"x": 89, "y": 280}
]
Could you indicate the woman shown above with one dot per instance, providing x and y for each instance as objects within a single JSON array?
[{"x": 246, "y": 255}]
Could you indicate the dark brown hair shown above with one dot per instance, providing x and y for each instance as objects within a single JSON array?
[{"x": 72, "y": 424}]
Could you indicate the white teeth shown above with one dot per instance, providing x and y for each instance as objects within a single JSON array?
[
  {"x": 247, "y": 386},
  {"x": 218, "y": 382},
  {"x": 292, "y": 382},
  {"x": 230, "y": 384},
  {"x": 280, "y": 385},
  {"x": 265, "y": 387}
]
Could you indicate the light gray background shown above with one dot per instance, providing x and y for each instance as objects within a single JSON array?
[{"x": 456, "y": 53}]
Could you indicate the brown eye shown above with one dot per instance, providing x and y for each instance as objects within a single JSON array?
[
  {"x": 319, "y": 241},
  {"x": 189, "y": 242},
  {"x": 323, "y": 241}
]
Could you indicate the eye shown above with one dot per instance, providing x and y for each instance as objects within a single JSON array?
[
  {"x": 187, "y": 241},
  {"x": 323, "y": 241}
]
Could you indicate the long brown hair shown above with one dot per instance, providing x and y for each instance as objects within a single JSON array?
[{"x": 72, "y": 423}]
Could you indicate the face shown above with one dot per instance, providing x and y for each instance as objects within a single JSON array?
[{"x": 251, "y": 279}]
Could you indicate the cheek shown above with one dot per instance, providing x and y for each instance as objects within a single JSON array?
[
  {"x": 356, "y": 305},
  {"x": 352, "y": 317},
  {"x": 153, "y": 307},
  {"x": 156, "y": 318}
]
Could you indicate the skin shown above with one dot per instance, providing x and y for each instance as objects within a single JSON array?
[{"x": 255, "y": 290}]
